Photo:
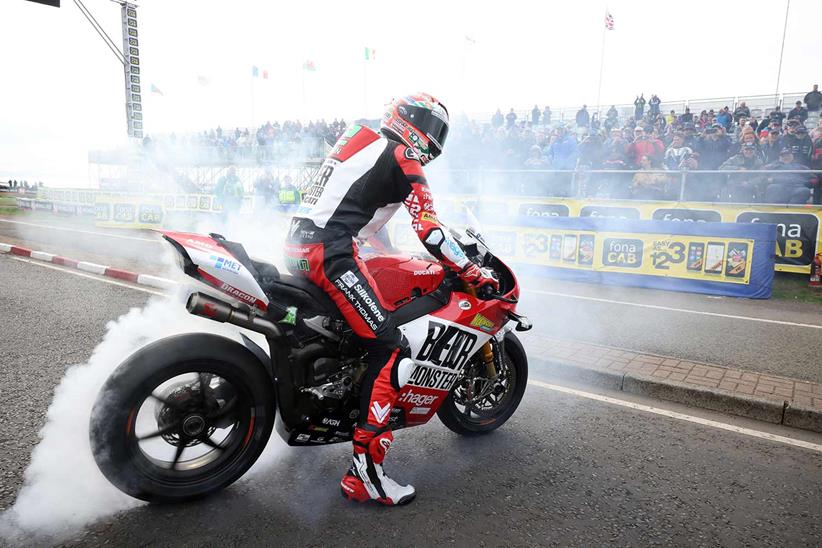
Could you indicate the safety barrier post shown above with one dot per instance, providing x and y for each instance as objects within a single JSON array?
[{"x": 682, "y": 176}]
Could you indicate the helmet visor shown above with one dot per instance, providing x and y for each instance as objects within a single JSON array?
[{"x": 430, "y": 124}]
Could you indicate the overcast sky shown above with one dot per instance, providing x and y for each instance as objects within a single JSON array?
[{"x": 61, "y": 89}]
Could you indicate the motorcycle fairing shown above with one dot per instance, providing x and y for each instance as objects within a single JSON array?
[{"x": 214, "y": 265}]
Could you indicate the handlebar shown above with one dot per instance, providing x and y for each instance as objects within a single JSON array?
[{"x": 487, "y": 293}]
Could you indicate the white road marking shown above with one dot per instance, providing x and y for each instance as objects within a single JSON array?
[
  {"x": 671, "y": 309},
  {"x": 94, "y": 232},
  {"x": 680, "y": 416},
  {"x": 90, "y": 277}
]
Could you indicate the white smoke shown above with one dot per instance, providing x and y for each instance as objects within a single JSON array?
[{"x": 63, "y": 489}]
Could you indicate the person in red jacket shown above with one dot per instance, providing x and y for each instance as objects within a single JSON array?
[
  {"x": 644, "y": 145},
  {"x": 365, "y": 178}
]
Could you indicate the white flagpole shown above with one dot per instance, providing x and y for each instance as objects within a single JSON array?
[
  {"x": 601, "y": 64},
  {"x": 781, "y": 51}
]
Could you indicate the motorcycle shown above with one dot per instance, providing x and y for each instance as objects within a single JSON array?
[{"x": 188, "y": 415}]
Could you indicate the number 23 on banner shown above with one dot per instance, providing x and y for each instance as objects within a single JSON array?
[{"x": 666, "y": 253}]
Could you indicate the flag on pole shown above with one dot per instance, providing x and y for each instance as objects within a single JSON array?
[
  {"x": 370, "y": 53},
  {"x": 609, "y": 21},
  {"x": 255, "y": 71},
  {"x": 309, "y": 66},
  {"x": 155, "y": 89}
]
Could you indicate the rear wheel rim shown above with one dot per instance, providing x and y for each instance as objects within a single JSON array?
[{"x": 185, "y": 427}]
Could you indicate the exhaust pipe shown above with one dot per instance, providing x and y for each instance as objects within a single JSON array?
[{"x": 205, "y": 306}]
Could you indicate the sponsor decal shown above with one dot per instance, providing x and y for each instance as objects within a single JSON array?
[
  {"x": 796, "y": 234},
  {"x": 221, "y": 263},
  {"x": 318, "y": 185},
  {"x": 446, "y": 345},
  {"x": 687, "y": 215},
  {"x": 354, "y": 414},
  {"x": 349, "y": 279},
  {"x": 342, "y": 434},
  {"x": 410, "y": 154},
  {"x": 417, "y": 399},
  {"x": 357, "y": 294},
  {"x": 432, "y": 377},
  {"x": 420, "y": 411},
  {"x": 209, "y": 245},
  {"x": 464, "y": 305},
  {"x": 297, "y": 264},
  {"x": 424, "y": 272},
  {"x": 624, "y": 252},
  {"x": 428, "y": 217},
  {"x": 303, "y": 437},
  {"x": 457, "y": 255},
  {"x": 234, "y": 292},
  {"x": 380, "y": 412},
  {"x": 482, "y": 322},
  {"x": 317, "y": 428},
  {"x": 543, "y": 210},
  {"x": 385, "y": 443},
  {"x": 609, "y": 212},
  {"x": 331, "y": 422}
]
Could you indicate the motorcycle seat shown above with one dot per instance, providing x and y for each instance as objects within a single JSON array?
[{"x": 309, "y": 299}]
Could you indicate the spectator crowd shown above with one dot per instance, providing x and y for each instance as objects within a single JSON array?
[
  {"x": 655, "y": 142},
  {"x": 646, "y": 155},
  {"x": 269, "y": 142}
]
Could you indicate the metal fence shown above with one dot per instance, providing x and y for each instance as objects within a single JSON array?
[
  {"x": 760, "y": 105},
  {"x": 698, "y": 185}
]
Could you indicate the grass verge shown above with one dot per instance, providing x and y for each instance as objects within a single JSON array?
[
  {"x": 8, "y": 205},
  {"x": 794, "y": 287}
]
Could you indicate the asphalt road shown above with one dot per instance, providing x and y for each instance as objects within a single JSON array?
[
  {"x": 564, "y": 471},
  {"x": 585, "y": 312}
]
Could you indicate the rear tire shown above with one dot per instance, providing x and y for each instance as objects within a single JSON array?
[
  {"x": 235, "y": 394},
  {"x": 460, "y": 420}
]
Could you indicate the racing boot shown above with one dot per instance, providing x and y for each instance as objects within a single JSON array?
[{"x": 366, "y": 479}]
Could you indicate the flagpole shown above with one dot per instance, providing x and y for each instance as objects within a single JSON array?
[
  {"x": 305, "y": 102},
  {"x": 601, "y": 64},
  {"x": 251, "y": 104},
  {"x": 364, "y": 86},
  {"x": 781, "y": 51}
]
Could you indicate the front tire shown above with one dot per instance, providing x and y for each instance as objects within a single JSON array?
[
  {"x": 200, "y": 394},
  {"x": 476, "y": 418}
]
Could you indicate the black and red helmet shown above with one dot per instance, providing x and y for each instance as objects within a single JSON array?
[{"x": 420, "y": 121}]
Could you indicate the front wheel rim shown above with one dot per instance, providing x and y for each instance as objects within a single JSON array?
[{"x": 481, "y": 401}]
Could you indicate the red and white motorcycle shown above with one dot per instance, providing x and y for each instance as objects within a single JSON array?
[{"x": 188, "y": 415}]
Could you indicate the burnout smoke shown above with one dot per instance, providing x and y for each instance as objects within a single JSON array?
[{"x": 63, "y": 488}]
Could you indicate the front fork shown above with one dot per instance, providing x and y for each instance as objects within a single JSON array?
[{"x": 487, "y": 351}]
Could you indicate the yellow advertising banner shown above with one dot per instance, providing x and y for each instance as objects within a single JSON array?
[
  {"x": 798, "y": 227},
  {"x": 124, "y": 211},
  {"x": 669, "y": 255}
]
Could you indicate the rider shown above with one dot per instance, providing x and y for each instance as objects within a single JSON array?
[{"x": 361, "y": 184}]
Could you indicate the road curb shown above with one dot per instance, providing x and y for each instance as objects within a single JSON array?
[
  {"x": 715, "y": 399},
  {"x": 93, "y": 268},
  {"x": 771, "y": 410}
]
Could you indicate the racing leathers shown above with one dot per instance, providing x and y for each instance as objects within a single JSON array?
[{"x": 361, "y": 184}]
